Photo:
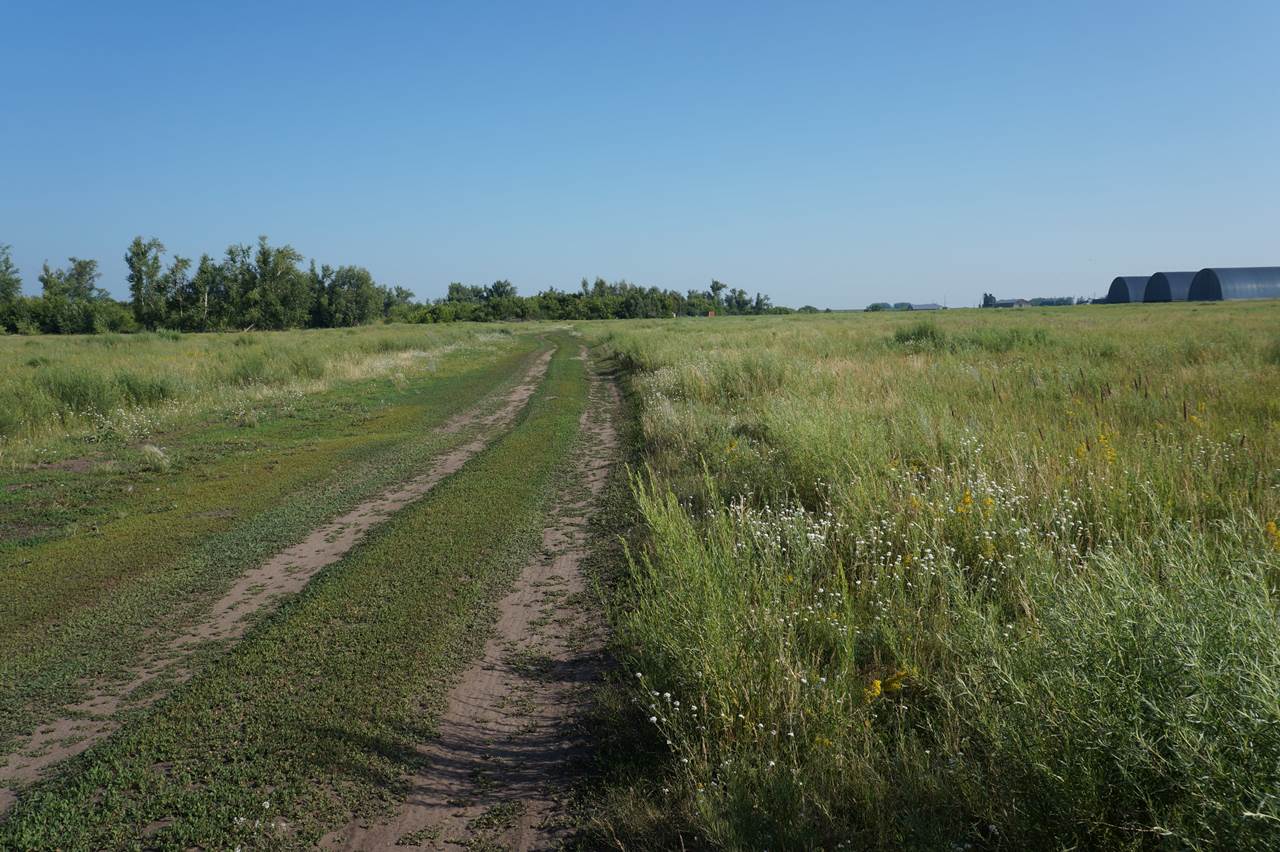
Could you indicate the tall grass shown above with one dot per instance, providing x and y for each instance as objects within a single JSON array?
[
  {"x": 60, "y": 387},
  {"x": 998, "y": 580}
]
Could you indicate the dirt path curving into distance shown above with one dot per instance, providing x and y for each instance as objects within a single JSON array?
[
  {"x": 285, "y": 574},
  {"x": 497, "y": 775}
]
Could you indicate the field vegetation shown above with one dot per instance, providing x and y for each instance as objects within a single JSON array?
[
  {"x": 110, "y": 539},
  {"x": 315, "y": 715},
  {"x": 96, "y": 388},
  {"x": 987, "y": 580},
  {"x": 990, "y": 580}
]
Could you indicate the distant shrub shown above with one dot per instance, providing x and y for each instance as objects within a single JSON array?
[
  {"x": 305, "y": 365},
  {"x": 920, "y": 335},
  {"x": 77, "y": 391},
  {"x": 109, "y": 340},
  {"x": 248, "y": 369},
  {"x": 144, "y": 390}
]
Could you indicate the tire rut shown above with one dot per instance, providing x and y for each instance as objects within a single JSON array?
[
  {"x": 269, "y": 583},
  {"x": 498, "y": 774}
]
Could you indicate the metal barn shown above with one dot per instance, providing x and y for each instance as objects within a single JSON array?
[
  {"x": 1127, "y": 288},
  {"x": 1242, "y": 282},
  {"x": 1169, "y": 287}
]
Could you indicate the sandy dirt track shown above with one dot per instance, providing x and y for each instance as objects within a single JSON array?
[
  {"x": 509, "y": 738},
  {"x": 285, "y": 574}
]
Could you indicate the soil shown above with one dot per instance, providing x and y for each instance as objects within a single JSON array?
[
  {"x": 285, "y": 574},
  {"x": 509, "y": 743}
]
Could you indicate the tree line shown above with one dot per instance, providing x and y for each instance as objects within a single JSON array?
[{"x": 267, "y": 287}]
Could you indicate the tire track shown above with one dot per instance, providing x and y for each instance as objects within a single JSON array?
[
  {"x": 497, "y": 775},
  {"x": 287, "y": 573}
]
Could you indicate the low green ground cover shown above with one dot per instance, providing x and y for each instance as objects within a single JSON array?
[
  {"x": 315, "y": 714},
  {"x": 991, "y": 580},
  {"x": 118, "y": 551}
]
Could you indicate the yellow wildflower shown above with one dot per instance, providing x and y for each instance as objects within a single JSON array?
[
  {"x": 1273, "y": 535},
  {"x": 894, "y": 683},
  {"x": 873, "y": 691}
]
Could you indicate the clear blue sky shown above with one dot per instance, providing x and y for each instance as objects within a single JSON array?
[{"x": 829, "y": 153}]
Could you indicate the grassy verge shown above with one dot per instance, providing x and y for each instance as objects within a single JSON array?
[
  {"x": 141, "y": 550},
  {"x": 990, "y": 581},
  {"x": 64, "y": 390},
  {"x": 315, "y": 715}
]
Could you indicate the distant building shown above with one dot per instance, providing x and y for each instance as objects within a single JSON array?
[
  {"x": 1169, "y": 287},
  {"x": 1253, "y": 282},
  {"x": 927, "y": 306},
  {"x": 1127, "y": 288},
  {"x": 1011, "y": 303}
]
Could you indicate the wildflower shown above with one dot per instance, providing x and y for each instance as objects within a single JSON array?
[
  {"x": 873, "y": 691},
  {"x": 653, "y": 719},
  {"x": 1273, "y": 535}
]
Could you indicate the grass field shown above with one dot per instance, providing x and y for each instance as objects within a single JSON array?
[{"x": 987, "y": 579}]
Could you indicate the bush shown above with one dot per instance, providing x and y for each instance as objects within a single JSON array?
[
  {"x": 920, "y": 335},
  {"x": 145, "y": 390},
  {"x": 77, "y": 392},
  {"x": 248, "y": 369}
]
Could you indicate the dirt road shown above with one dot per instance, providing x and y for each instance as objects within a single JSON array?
[
  {"x": 509, "y": 741},
  {"x": 285, "y": 574}
]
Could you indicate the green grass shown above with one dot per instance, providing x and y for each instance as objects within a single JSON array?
[
  {"x": 60, "y": 391},
  {"x": 133, "y": 542},
  {"x": 315, "y": 714},
  {"x": 1000, "y": 579}
]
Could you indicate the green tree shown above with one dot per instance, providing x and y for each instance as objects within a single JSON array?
[
  {"x": 353, "y": 297},
  {"x": 76, "y": 283},
  {"x": 397, "y": 302},
  {"x": 284, "y": 296},
  {"x": 174, "y": 282},
  {"x": 201, "y": 302},
  {"x": 10, "y": 279},
  {"x": 717, "y": 287},
  {"x": 147, "y": 282}
]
